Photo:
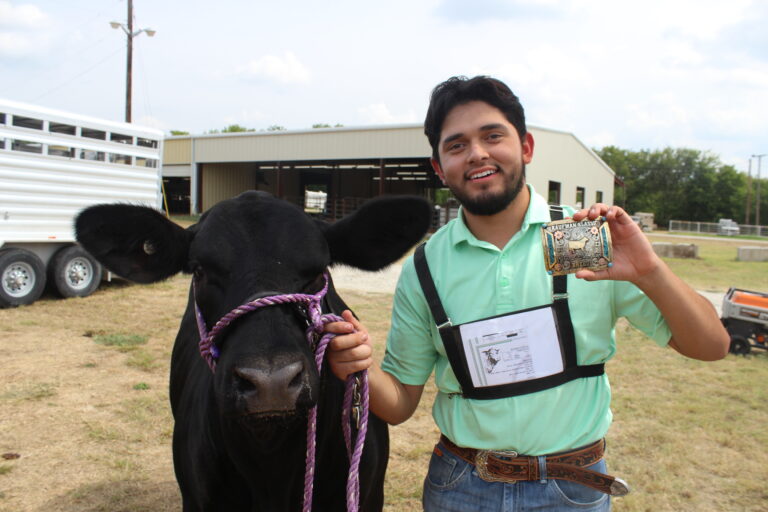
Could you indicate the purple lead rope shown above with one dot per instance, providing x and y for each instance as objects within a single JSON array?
[{"x": 355, "y": 394}]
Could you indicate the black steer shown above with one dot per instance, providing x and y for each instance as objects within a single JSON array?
[{"x": 239, "y": 440}]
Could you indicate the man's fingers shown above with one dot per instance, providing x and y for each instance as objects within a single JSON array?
[
  {"x": 348, "y": 341},
  {"x": 343, "y": 369},
  {"x": 339, "y": 328},
  {"x": 591, "y": 213},
  {"x": 349, "y": 317},
  {"x": 353, "y": 353}
]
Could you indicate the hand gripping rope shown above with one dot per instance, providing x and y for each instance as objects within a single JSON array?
[{"x": 356, "y": 390}]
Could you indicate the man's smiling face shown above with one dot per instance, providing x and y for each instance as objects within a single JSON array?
[{"x": 482, "y": 159}]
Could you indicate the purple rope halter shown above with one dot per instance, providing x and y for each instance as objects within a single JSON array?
[{"x": 355, "y": 394}]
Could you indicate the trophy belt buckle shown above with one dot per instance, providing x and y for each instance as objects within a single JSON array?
[
  {"x": 481, "y": 464},
  {"x": 570, "y": 246}
]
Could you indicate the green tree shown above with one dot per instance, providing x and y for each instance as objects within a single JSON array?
[
  {"x": 232, "y": 128},
  {"x": 677, "y": 183},
  {"x": 179, "y": 132}
]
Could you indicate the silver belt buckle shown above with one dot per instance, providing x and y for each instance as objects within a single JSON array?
[{"x": 481, "y": 464}]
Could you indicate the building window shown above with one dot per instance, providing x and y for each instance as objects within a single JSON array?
[
  {"x": 94, "y": 134},
  {"x": 599, "y": 196},
  {"x": 64, "y": 151},
  {"x": 96, "y": 156},
  {"x": 553, "y": 195},
  {"x": 28, "y": 122},
  {"x": 122, "y": 139},
  {"x": 146, "y": 143},
  {"x": 66, "y": 129},
  {"x": 579, "y": 197},
  {"x": 2, "y": 118}
]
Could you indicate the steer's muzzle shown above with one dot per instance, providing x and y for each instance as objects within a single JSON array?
[{"x": 272, "y": 389}]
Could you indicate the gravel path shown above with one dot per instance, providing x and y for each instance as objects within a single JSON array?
[{"x": 348, "y": 278}]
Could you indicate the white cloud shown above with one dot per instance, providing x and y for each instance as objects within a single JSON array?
[
  {"x": 152, "y": 122},
  {"x": 22, "y": 30},
  {"x": 599, "y": 139},
  {"x": 245, "y": 117},
  {"x": 21, "y": 16},
  {"x": 287, "y": 69},
  {"x": 379, "y": 113}
]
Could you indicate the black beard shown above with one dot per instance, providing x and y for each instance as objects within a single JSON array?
[{"x": 486, "y": 204}]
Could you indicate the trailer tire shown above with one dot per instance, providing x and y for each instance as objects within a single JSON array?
[
  {"x": 74, "y": 272},
  {"x": 22, "y": 278},
  {"x": 740, "y": 345}
]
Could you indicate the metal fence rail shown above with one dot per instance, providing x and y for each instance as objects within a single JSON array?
[{"x": 685, "y": 226}]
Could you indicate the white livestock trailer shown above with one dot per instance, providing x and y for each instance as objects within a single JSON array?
[{"x": 52, "y": 165}]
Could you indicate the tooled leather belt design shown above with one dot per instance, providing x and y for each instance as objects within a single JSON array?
[{"x": 510, "y": 467}]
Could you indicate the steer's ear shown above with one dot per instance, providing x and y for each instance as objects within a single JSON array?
[
  {"x": 380, "y": 232},
  {"x": 134, "y": 242}
]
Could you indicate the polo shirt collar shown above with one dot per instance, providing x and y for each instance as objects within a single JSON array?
[{"x": 536, "y": 213}]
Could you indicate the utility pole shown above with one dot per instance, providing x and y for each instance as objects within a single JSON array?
[
  {"x": 128, "y": 29},
  {"x": 757, "y": 199},
  {"x": 129, "y": 65},
  {"x": 749, "y": 191}
]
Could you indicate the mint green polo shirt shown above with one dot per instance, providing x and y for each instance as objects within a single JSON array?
[{"x": 476, "y": 280}]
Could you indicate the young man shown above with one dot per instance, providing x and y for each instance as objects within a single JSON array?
[{"x": 525, "y": 442}]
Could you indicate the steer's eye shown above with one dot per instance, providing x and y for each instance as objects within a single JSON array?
[{"x": 197, "y": 273}]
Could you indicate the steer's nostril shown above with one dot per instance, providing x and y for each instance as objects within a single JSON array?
[
  {"x": 243, "y": 383},
  {"x": 270, "y": 389},
  {"x": 297, "y": 380}
]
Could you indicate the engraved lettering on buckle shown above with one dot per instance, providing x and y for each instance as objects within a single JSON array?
[{"x": 481, "y": 463}]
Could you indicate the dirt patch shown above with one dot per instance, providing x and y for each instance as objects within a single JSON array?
[{"x": 90, "y": 421}]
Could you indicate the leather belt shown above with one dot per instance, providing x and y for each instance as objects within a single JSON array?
[{"x": 510, "y": 467}]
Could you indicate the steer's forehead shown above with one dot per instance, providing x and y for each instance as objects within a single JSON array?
[{"x": 263, "y": 229}]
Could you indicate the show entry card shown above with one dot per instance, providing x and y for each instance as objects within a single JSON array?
[{"x": 512, "y": 348}]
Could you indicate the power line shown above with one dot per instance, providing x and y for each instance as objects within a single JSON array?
[{"x": 88, "y": 70}]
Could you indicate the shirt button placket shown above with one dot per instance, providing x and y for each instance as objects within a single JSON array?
[{"x": 505, "y": 280}]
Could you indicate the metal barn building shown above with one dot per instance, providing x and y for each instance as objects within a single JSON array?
[{"x": 351, "y": 165}]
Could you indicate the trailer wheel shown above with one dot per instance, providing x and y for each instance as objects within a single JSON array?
[
  {"x": 740, "y": 345},
  {"x": 22, "y": 278},
  {"x": 74, "y": 272}
]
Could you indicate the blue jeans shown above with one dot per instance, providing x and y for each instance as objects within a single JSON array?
[{"x": 452, "y": 485}]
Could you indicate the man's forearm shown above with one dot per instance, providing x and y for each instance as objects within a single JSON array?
[
  {"x": 697, "y": 331},
  {"x": 391, "y": 400}
]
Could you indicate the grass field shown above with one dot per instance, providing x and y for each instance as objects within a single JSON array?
[{"x": 86, "y": 426}]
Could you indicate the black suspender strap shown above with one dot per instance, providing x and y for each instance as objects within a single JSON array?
[
  {"x": 428, "y": 286},
  {"x": 452, "y": 342},
  {"x": 560, "y": 303},
  {"x": 451, "y": 338}
]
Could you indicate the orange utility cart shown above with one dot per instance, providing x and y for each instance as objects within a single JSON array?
[{"x": 745, "y": 316}]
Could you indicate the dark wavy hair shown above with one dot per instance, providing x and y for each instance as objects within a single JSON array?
[{"x": 459, "y": 90}]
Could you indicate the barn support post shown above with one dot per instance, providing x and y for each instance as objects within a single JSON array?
[
  {"x": 382, "y": 176},
  {"x": 335, "y": 190},
  {"x": 280, "y": 180},
  {"x": 197, "y": 187}
]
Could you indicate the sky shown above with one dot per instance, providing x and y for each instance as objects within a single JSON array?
[{"x": 638, "y": 75}]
